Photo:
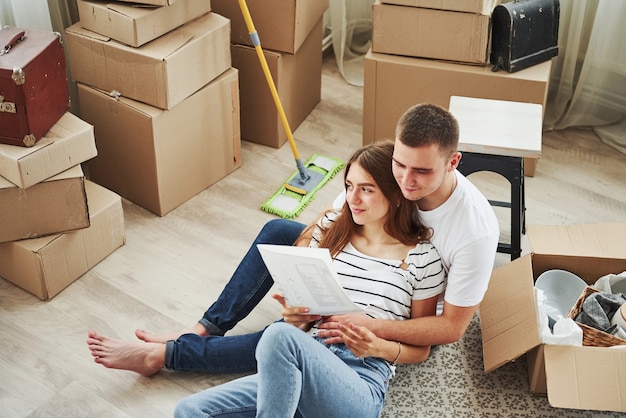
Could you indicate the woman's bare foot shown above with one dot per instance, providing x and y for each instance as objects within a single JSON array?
[
  {"x": 149, "y": 337},
  {"x": 143, "y": 358}
]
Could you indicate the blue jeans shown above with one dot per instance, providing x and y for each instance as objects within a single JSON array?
[
  {"x": 298, "y": 376},
  {"x": 248, "y": 285}
]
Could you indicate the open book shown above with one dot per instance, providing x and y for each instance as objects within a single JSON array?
[{"x": 306, "y": 278}]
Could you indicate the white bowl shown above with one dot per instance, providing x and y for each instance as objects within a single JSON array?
[{"x": 561, "y": 289}]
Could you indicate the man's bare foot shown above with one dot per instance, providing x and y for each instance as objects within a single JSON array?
[
  {"x": 149, "y": 337},
  {"x": 143, "y": 358}
]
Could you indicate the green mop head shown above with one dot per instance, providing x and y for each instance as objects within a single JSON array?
[{"x": 293, "y": 196}]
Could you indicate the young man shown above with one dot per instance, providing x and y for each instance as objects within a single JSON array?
[{"x": 465, "y": 231}]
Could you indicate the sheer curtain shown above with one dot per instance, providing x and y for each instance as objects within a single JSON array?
[
  {"x": 351, "y": 31},
  {"x": 588, "y": 80}
]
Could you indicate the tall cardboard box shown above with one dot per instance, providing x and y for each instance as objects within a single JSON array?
[
  {"x": 56, "y": 205},
  {"x": 298, "y": 80},
  {"x": 282, "y": 25},
  {"x": 426, "y": 33},
  {"x": 134, "y": 25},
  {"x": 161, "y": 73},
  {"x": 45, "y": 266},
  {"x": 393, "y": 83},
  {"x": 158, "y": 158},
  {"x": 69, "y": 142},
  {"x": 584, "y": 377}
]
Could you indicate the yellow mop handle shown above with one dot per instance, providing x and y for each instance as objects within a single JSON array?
[{"x": 254, "y": 37}]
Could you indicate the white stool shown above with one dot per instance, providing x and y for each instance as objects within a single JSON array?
[{"x": 497, "y": 136}]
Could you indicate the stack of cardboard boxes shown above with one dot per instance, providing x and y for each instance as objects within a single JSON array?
[
  {"x": 157, "y": 84},
  {"x": 425, "y": 51},
  {"x": 54, "y": 224},
  {"x": 290, "y": 32}
]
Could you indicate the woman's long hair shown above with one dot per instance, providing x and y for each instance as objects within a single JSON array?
[{"x": 402, "y": 221}]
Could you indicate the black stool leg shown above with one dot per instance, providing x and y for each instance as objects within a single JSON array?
[{"x": 511, "y": 168}]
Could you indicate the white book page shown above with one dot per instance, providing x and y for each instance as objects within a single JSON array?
[{"x": 306, "y": 278}]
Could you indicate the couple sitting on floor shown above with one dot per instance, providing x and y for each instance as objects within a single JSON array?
[{"x": 409, "y": 231}]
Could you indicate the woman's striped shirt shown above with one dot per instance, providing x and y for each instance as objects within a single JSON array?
[{"x": 383, "y": 287}]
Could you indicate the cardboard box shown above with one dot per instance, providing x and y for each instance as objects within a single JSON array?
[
  {"x": 161, "y": 158},
  {"x": 45, "y": 266},
  {"x": 392, "y": 84},
  {"x": 69, "y": 142},
  {"x": 282, "y": 25},
  {"x": 483, "y": 7},
  {"x": 591, "y": 378},
  {"x": 161, "y": 73},
  {"x": 56, "y": 205},
  {"x": 134, "y": 25},
  {"x": 298, "y": 80},
  {"x": 426, "y": 33}
]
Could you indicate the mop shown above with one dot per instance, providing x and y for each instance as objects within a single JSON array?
[{"x": 299, "y": 189}]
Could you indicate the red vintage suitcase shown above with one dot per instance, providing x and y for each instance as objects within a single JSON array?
[{"x": 34, "y": 92}]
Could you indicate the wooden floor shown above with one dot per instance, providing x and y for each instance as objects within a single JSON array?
[{"x": 172, "y": 267}]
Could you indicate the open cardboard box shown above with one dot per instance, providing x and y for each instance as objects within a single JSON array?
[{"x": 592, "y": 378}]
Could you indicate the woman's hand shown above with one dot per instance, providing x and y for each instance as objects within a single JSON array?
[{"x": 296, "y": 316}]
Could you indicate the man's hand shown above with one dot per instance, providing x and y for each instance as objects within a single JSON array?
[
  {"x": 331, "y": 328},
  {"x": 296, "y": 316},
  {"x": 361, "y": 341}
]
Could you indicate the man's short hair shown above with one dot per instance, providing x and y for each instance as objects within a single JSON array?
[{"x": 426, "y": 124}]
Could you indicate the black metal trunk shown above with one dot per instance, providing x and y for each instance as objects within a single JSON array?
[{"x": 524, "y": 33}]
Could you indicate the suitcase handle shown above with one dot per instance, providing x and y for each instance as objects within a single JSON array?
[{"x": 18, "y": 37}]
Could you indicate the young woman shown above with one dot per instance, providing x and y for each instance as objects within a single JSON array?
[{"x": 386, "y": 265}]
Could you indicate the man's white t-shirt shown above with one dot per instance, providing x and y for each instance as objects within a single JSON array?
[{"x": 466, "y": 234}]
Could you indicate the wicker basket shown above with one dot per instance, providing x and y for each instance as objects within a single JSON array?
[{"x": 591, "y": 336}]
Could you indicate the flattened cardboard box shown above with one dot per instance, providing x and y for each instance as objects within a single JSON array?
[
  {"x": 70, "y": 141},
  {"x": 393, "y": 83},
  {"x": 158, "y": 158},
  {"x": 282, "y": 25},
  {"x": 45, "y": 266},
  {"x": 426, "y": 33},
  {"x": 298, "y": 80},
  {"x": 483, "y": 7},
  {"x": 134, "y": 25},
  {"x": 591, "y": 378},
  {"x": 56, "y": 205},
  {"x": 161, "y": 73}
]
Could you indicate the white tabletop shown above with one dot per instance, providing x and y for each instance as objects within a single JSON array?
[{"x": 498, "y": 127}]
